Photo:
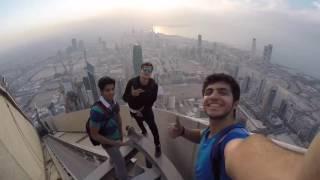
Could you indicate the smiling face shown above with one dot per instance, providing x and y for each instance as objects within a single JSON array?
[
  {"x": 218, "y": 101},
  {"x": 144, "y": 78},
  {"x": 108, "y": 92}
]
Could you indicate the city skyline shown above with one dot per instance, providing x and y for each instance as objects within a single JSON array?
[
  {"x": 291, "y": 25},
  {"x": 68, "y": 78},
  {"x": 54, "y": 55}
]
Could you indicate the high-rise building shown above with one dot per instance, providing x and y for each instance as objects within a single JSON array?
[
  {"x": 3, "y": 81},
  {"x": 104, "y": 45},
  {"x": 246, "y": 84},
  {"x": 81, "y": 45},
  {"x": 119, "y": 89},
  {"x": 267, "y": 108},
  {"x": 283, "y": 109},
  {"x": 199, "y": 45},
  {"x": 88, "y": 91},
  {"x": 156, "y": 77},
  {"x": 260, "y": 91},
  {"x": 236, "y": 72},
  {"x": 81, "y": 91},
  {"x": 52, "y": 109},
  {"x": 92, "y": 81},
  {"x": 291, "y": 111},
  {"x": 267, "y": 53},
  {"x": 137, "y": 59},
  {"x": 172, "y": 103},
  {"x": 72, "y": 102},
  {"x": 254, "y": 47},
  {"x": 100, "y": 40},
  {"x": 67, "y": 86},
  {"x": 74, "y": 44}
]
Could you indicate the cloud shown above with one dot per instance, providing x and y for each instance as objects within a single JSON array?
[
  {"x": 292, "y": 31},
  {"x": 316, "y": 4},
  {"x": 242, "y": 4}
]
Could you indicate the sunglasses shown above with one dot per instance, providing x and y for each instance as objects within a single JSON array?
[{"x": 147, "y": 69}]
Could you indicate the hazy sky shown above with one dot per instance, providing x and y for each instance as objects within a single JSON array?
[
  {"x": 21, "y": 15},
  {"x": 293, "y": 26}
]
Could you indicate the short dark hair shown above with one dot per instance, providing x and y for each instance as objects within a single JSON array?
[
  {"x": 221, "y": 77},
  {"x": 105, "y": 81},
  {"x": 146, "y": 64}
]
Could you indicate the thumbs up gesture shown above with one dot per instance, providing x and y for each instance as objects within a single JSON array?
[{"x": 175, "y": 129}]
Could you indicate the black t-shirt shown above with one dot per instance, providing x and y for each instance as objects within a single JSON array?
[{"x": 146, "y": 98}]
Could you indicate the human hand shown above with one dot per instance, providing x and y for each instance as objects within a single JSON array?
[
  {"x": 139, "y": 114},
  {"x": 175, "y": 129},
  {"x": 136, "y": 92},
  {"x": 123, "y": 143}
]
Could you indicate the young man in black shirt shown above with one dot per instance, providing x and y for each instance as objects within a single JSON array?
[{"x": 140, "y": 94}]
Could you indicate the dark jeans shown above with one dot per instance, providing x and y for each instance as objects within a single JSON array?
[
  {"x": 148, "y": 117},
  {"x": 118, "y": 162}
]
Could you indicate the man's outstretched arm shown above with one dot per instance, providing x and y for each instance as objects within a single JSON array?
[
  {"x": 258, "y": 158},
  {"x": 176, "y": 130},
  {"x": 311, "y": 163}
]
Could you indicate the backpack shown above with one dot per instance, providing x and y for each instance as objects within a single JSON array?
[
  {"x": 216, "y": 156},
  {"x": 108, "y": 114}
]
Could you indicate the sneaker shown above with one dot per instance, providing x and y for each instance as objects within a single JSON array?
[{"x": 158, "y": 151}]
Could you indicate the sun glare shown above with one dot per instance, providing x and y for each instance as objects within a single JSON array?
[{"x": 157, "y": 29}]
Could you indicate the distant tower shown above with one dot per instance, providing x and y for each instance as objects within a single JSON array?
[
  {"x": 55, "y": 70},
  {"x": 104, "y": 45},
  {"x": 137, "y": 59},
  {"x": 72, "y": 102},
  {"x": 74, "y": 44},
  {"x": 246, "y": 84},
  {"x": 88, "y": 90},
  {"x": 156, "y": 77},
  {"x": 283, "y": 109},
  {"x": 3, "y": 82},
  {"x": 199, "y": 45},
  {"x": 268, "y": 105},
  {"x": 120, "y": 87},
  {"x": 254, "y": 47},
  {"x": 236, "y": 72},
  {"x": 92, "y": 81},
  {"x": 81, "y": 45},
  {"x": 267, "y": 53},
  {"x": 260, "y": 91},
  {"x": 100, "y": 40},
  {"x": 172, "y": 103},
  {"x": 291, "y": 111}
]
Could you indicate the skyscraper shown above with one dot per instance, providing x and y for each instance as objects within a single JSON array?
[
  {"x": 2, "y": 81},
  {"x": 81, "y": 45},
  {"x": 81, "y": 90},
  {"x": 199, "y": 45},
  {"x": 72, "y": 102},
  {"x": 254, "y": 47},
  {"x": 172, "y": 103},
  {"x": 88, "y": 90},
  {"x": 74, "y": 44},
  {"x": 246, "y": 84},
  {"x": 267, "y": 108},
  {"x": 236, "y": 72},
  {"x": 260, "y": 91},
  {"x": 267, "y": 53},
  {"x": 137, "y": 59},
  {"x": 283, "y": 109},
  {"x": 92, "y": 81}
]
